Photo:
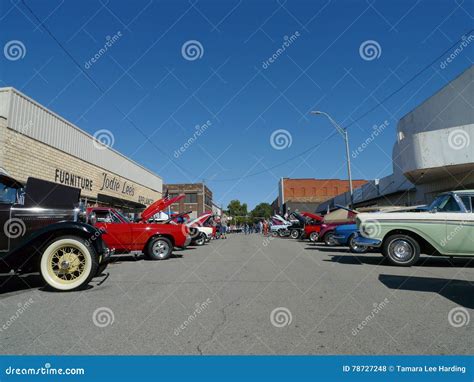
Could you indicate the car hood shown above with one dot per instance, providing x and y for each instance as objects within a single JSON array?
[
  {"x": 415, "y": 216},
  {"x": 159, "y": 205},
  {"x": 312, "y": 216},
  {"x": 200, "y": 220}
]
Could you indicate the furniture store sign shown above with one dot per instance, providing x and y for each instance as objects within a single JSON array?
[
  {"x": 102, "y": 182},
  {"x": 74, "y": 180}
]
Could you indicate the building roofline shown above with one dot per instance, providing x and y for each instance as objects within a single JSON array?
[
  {"x": 327, "y": 179},
  {"x": 14, "y": 90},
  {"x": 437, "y": 92}
]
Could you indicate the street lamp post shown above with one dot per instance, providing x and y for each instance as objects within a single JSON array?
[{"x": 343, "y": 132}]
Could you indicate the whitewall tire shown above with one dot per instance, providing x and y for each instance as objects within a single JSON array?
[{"x": 68, "y": 263}]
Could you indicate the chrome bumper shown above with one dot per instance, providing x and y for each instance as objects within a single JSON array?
[{"x": 367, "y": 242}]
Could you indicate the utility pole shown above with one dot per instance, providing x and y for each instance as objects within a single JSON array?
[{"x": 343, "y": 132}]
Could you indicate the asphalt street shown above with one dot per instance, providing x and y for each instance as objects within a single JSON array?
[{"x": 249, "y": 295}]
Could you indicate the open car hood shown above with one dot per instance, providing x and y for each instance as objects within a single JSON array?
[
  {"x": 312, "y": 216},
  {"x": 173, "y": 218},
  {"x": 340, "y": 215},
  {"x": 281, "y": 219},
  {"x": 159, "y": 205},
  {"x": 200, "y": 220}
]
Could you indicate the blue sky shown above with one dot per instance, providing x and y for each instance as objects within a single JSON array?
[{"x": 145, "y": 75}]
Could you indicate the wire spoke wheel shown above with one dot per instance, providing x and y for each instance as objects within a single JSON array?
[{"x": 67, "y": 264}]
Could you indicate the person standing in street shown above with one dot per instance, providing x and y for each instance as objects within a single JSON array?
[{"x": 224, "y": 227}]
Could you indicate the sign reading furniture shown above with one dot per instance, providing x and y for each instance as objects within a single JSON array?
[
  {"x": 105, "y": 183},
  {"x": 70, "y": 179}
]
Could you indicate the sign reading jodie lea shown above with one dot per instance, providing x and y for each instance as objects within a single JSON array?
[
  {"x": 112, "y": 183},
  {"x": 106, "y": 181}
]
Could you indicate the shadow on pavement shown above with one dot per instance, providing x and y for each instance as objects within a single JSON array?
[
  {"x": 119, "y": 258},
  {"x": 377, "y": 258},
  {"x": 458, "y": 291},
  {"x": 15, "y": 283},
  {"x": 357, "y": 260},
  {"x": 328, "y": 249}
]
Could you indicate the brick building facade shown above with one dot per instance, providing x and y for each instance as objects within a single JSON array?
[
  {"x": 198, "y": 198},
  {"x": 308, "y": 193}
]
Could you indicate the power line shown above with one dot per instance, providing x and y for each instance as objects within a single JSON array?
[
  {"x": 98, "y": 87},
  {"x": 415, "y": 76},
  {"x": 356, "y": 120}
]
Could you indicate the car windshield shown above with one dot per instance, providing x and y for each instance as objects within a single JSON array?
[
  {"x": 122, "y": 216},
  {"x": 445, "y": 203},
  {"x": 8, "y": 195}
]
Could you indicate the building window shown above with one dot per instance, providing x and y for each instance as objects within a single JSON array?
[
  {"x": 336, "y": 191},
  {"x": 172, "y": 195},
  {"x": 325, "y": 191},
  {"x": 303, "y": 191},
  {"x": 292, "y": 192},
  {"x": 191, "y": 198},
  {"x": 208, "y": 200}
]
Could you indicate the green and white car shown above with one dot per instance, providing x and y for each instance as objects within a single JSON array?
[{"x": 445, "y": 228}]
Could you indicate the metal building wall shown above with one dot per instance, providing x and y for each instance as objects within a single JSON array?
[{"x": 35, "y": 121}]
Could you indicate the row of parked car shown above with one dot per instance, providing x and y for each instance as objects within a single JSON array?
[
  {"x": 46, "y": 231},
  {"x": 400, "y": 234}
]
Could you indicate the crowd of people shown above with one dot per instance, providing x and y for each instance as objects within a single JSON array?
[{"x": 262, "y": 226}]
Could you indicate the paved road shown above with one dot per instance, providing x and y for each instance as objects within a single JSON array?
[{"x": 321, "y": 296}]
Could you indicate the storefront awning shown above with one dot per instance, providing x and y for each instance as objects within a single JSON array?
[{"x": 119, "y": 203}]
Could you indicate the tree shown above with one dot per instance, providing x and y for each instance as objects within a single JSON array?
[
  {"x": 235, "y": 208},
  {"x": 262, "y": 210}
]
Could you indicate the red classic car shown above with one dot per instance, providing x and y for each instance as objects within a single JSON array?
[
  {"x": 155, "y": 240},
  {"x": 322, "y": 228}
]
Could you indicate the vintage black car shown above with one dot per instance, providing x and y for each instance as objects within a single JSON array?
[{"x": 41, "y": 231}]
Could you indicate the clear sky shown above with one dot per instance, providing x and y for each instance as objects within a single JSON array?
[{"x": 151, "y": 86}]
